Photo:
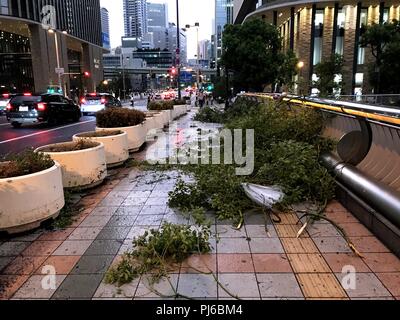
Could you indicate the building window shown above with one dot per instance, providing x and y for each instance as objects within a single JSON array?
[
  {"x": 340, "y": 30},
  {"x": 385, "y": 15},
  {"x": 362, "y": 26},
  {"x": 4, "y": 7},
  {"x": 318, "y": 34},
  {"x": 359, "y": 79}
]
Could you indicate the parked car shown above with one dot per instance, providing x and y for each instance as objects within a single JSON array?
[
  {"x": 4, "y": 100},
  {"x": 41, "y": 108},
  {"x": 95, "y": 102}
]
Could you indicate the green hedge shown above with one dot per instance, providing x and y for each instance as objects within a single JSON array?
[
  {"x": 160, "y": 105},
  {"x": 119, "y": 117}
]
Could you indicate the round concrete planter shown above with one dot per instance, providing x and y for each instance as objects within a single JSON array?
[
  {"x": 115, "y": 147},
  {"x": 180, "y": 111},
  {"x": 136, "y": 135},
  {"x": 175, "y": 113},
  {"x": 80, "y": 169},
  {"x": 150, "y": 123},
  {"x": 28, "y": 200},
  {"x": 168, "y": 116},
  {"x": 158, "y": 120}
]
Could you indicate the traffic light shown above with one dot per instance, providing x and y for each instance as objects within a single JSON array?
[
  {"x": 173, "y": 72},
  {"x": 86, "y": 74}
]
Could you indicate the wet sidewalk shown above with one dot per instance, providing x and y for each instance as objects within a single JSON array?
[{"x": 249, "y": 263}]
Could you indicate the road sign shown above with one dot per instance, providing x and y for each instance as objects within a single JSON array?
[
  {"x": 186, "y": 76},
  {"x": 60, "y": 71}
]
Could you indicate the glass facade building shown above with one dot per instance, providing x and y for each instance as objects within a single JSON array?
[
  {"x": 30, "y": 55},
  {"x": 223, "y": 16}
]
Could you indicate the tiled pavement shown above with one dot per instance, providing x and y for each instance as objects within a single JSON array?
[{"x": 249, "y": 263}]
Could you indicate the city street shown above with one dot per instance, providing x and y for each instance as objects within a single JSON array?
[
  {"x": 15, "y": 140},
  {"x": 212, "y": 150}
]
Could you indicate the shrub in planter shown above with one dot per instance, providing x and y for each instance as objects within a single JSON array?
[
  {"x": 180, "y": 102},
  {"x": 119, "y": 117},
  {"x": 83, "y": 163},
  {"x": 166, "y": 107},
  {"x": 130, "y": 121},
  {"x": 161, "y": 105},
  {"x": 31, "y": 191},
  {"x": 115, "y": 144}
]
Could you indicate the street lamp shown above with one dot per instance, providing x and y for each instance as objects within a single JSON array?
[
  {"x": 53, "y": 31},
  {"x": 300, "y": 65},
  {"x": 123, "y": 75},
  {"x": 178, "y": 50},
  {"x": 196, "y": 25}
]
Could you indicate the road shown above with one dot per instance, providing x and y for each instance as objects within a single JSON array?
[{"x": 16, "y": 140}]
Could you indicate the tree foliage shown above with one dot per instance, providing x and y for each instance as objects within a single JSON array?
[
  {"x": 252, "y": 52},
  {"x": 116, "y": 85},
  {"x": 384, "y": 42},
  {"x": 326, "y": 72}
]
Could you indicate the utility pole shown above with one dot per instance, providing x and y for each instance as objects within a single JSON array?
[
  {"x": 123, "y": 78},
  {"x": 178, "y": 51}
]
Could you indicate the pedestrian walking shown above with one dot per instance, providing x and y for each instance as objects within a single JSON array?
[
  {"x": 201, "y": 98},
  {"x": 193, "y": 100}
]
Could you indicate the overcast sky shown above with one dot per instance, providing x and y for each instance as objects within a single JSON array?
[{"x": 191, "y": 11}]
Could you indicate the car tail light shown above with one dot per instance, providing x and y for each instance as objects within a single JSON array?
[
  {"x": 6, "y": 95},
  {"x": 27, "y": 94},
  {"x": 103, "y": 101},
  {"x": 93, "y": 94},
  {"x": 83, "y": 101},
  {"x": 41, "y": 106},
  {"x": 9, "y": 107}
]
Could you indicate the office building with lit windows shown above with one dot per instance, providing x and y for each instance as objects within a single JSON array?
[
  {"x": 223, "y": 16},
  {"x": 28, "y": 55},
  {"x": 315, "y": 30}
]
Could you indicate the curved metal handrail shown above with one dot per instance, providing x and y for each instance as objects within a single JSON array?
[{"x": 381, "y": 114}]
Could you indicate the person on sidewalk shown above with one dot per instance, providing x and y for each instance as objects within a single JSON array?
[
  {"x": 201, "y": 98},
  {"x": 193, "y": 100}
]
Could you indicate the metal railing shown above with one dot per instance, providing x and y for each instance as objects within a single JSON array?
[
  {"x": 373, "y": 99},
  {"x": 386, "y": 114}
]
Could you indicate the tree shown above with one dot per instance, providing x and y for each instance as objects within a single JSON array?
[
  {"x": 326, "y": 72},
  {"x": 252, "y": 52},
  {"x": 383, "y": 41},
  {"x": 287, "y": 70},
  {"x": 116, "y": 85}
]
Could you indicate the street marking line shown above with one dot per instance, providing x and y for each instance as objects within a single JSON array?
[{"x": 41, "y": 132}]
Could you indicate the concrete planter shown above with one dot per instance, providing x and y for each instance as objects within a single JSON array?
[
  {"x": 179, "y": 111},
  {"x": 175, "y": 113},
  {"x": 168, "y": 116},
  {"x": 28, "y": 200},
  {"x": 158, "y": 120},
  {"x": 115, "y": 147},
  {"x": 136, "y": 135},
  {"x": 150, "y": 123},
  {"x": 80, "y": 169}
]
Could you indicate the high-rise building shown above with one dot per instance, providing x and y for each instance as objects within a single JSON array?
[
  {"x": 105, "y": 28},
  {"x": 28, "y": 59},
  {"x": 204, "y": 47},
  {"x": 135, "y": 18},
  {"x": 223, "y": 16},
  {"x": 172, "y": 42},
  {"x": 157, "y": 16}
]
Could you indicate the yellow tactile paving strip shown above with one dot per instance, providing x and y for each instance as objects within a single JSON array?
[
  {"x": 300, "y": 245},
  {"x": 320, "y": 285},
  {"x": 308, "y": 263}
]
